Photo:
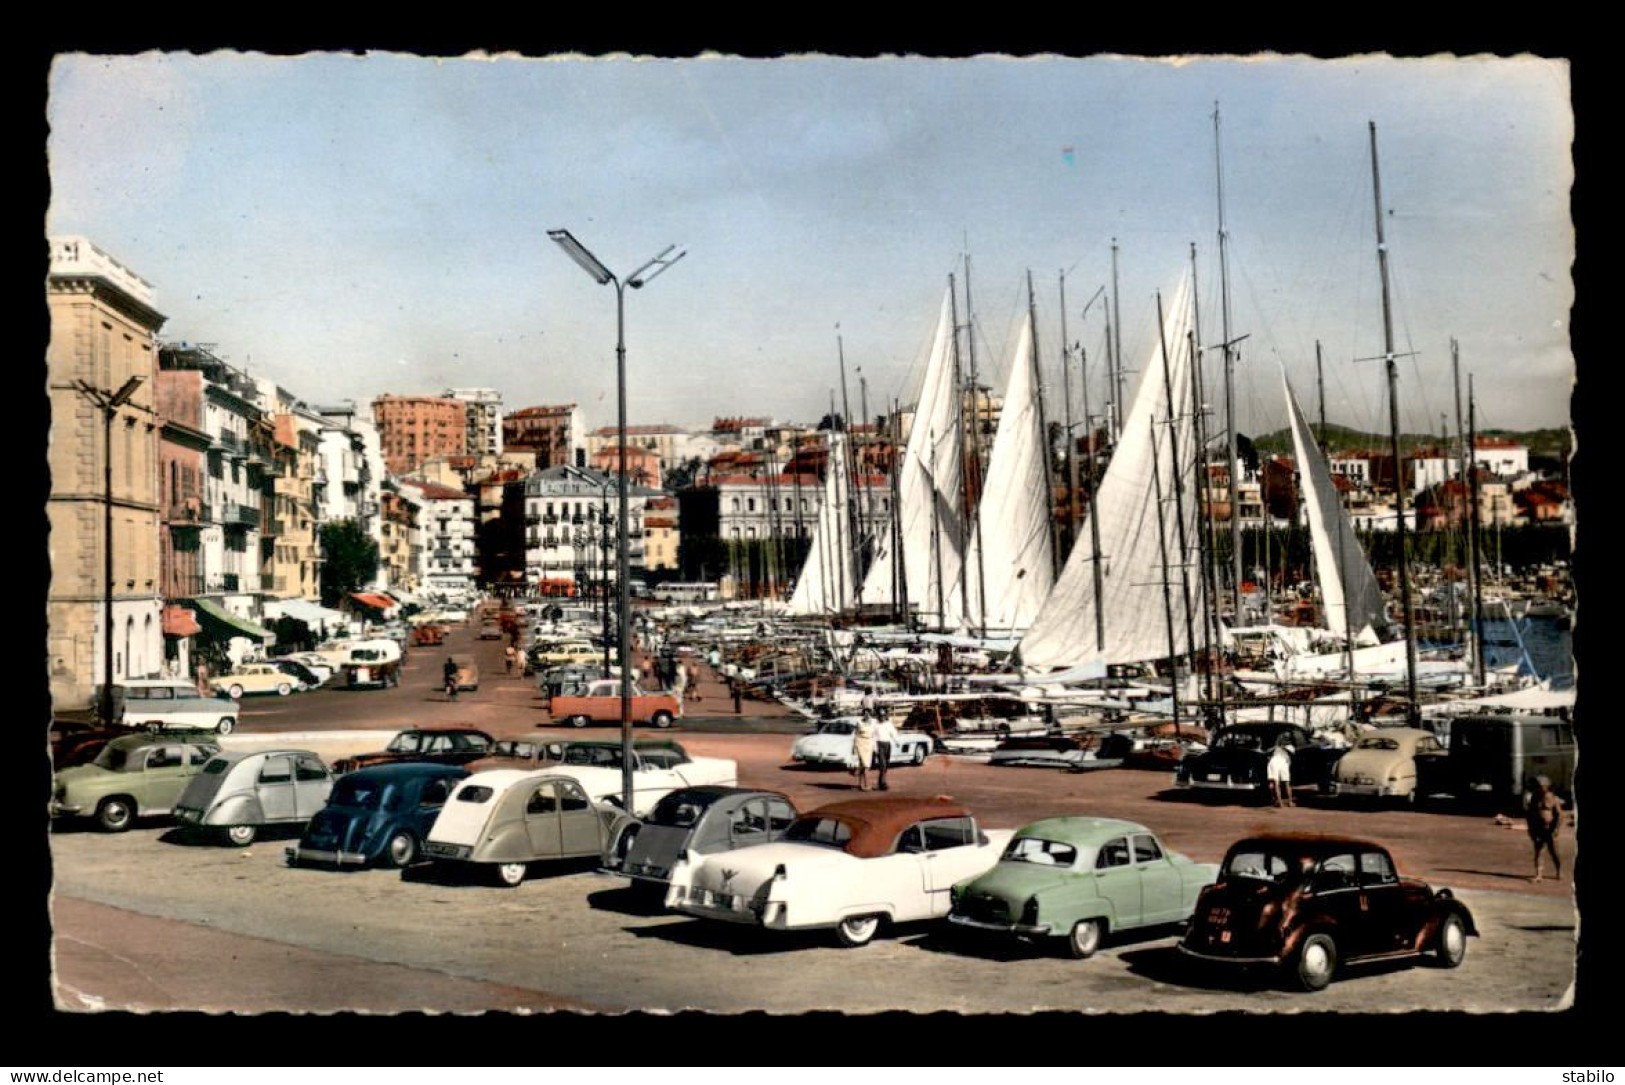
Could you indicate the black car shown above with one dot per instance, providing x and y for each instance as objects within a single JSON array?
[
  {"x": 1311, "y": 904},
  {"x": 307, "y": 678},
  {"x": 377, "y": 815},
  {"x": 1237, "y": 759}
]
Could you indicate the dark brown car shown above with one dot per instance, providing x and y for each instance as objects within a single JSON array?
[
  {"x": 1310, "y": 904},
  {"x": 440, "y": 745}
]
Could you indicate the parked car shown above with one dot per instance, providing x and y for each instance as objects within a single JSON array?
[
  {"x": 77, "y": 742},
  {"x": 253, "y": 678},
  {"x": 849, "y": 865},
  {"x": 835, "y": 740},
  {"x": 540, "y": 753},
  {"x": 560, "y": 654},
  {"x": 429, "y": 635},
  {"x": 700, "y": 820},
  {"x": 1312, "y": 904},
  {"x": 165, "y": 704},
  {"x": 237, "y": 792},
  {"x": 1384, "y": 764},
  {"x": 490, "y": 629},
  {"x": 132, "y": 777},
  {"x": 446, "y": 744},
  {"x": 377, "y": 815},
  {"x": 1080, "y": 879},
  {"x": 1493, "y": 758},
  {"x": 1238, "y": 759},
  {"x": 319, "y": 665},
  {"x": 601, "y": 703},
  {"x": 304, "y": 677},
  {"x": 505, "y": 819}
]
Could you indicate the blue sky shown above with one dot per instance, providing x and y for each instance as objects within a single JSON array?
[{"x": 351, "y": 226}]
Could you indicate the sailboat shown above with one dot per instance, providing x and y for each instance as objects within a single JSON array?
[
  {"x": 1146, "y": 606},
  {"x": 1009, "y": 561},
  {"x": 925, "y": 536},
  {"x": 828, "y": 579}
]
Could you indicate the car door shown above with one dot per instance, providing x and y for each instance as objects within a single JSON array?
[
  {"x": 950, "y": 855},
  {"x": 163, "y": 778},
  {"x": 1391, "y": 915},
  {"x": 748, "y": 824},
  {"x": 579, "y": 825},
  {"x": 311, "y": 783},
  {"x": 274, "y": 787},
  {"x": 1161, "y": 894},
  {"x": 1334, "y": 887},
  {"x": 1117, "y": 879},
  {"x": 542, "y": 826}
]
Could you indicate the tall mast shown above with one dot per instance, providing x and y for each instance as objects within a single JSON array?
[
  {"x": 1071, "y": 438},
  {"x": 1393, "y": 426},
  {"x": 1162, "y": 549},
  {"x": 854, "y": 536},
  {"x": 1179, "y": 489},
  {"x": 1205, "y": 540},
  {"x": 1472, "y": 537},
  {"x": 839, "y": 551},
  {"x": 1114, "y": 350},
  {"x": 1461, "y": 479},
  {"x": 1229, "y": 384},
  {"x": 1320, "y": 385},
  {"x": 1043, "y": 429},
  {"x": 866, "y": 500},
  {"x": 936, "y": 535},
  {"x": 899, "y": 572},
  {"x": 1094, "y": 518},
  {"x": 964, "y": 475},
  {"x": 975, "y": 479}
]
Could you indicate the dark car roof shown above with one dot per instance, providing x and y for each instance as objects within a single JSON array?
[
  {"x": 407, "y": 769},
  {"x": 876, "y": 822},
  {"x": 444, "y": 728},
  {"x": 1306, "y": 844}
]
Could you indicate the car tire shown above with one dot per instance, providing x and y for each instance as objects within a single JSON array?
[
  {"x": 661, "y": 720},
  {"x": 1085, "y": 938},
  {"x": 241, "y": 835},
  {"x": 115, "y": 814},
  {"x": 857, "y": 930},
  {"x": 283, "y": 689},
  {"x": 510, "y": 874},
  {"x": 1450, "y": 944},
  {"x": 235, "y": 693},
  {"x": 578, "y": 721},
  {"x": 1315, "y": 962},
  {"x": 225, "y": 726},
  {"x": 401, "y": 850},
  {"x": 920, "y": 753}
]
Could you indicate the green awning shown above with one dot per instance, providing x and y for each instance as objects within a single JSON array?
[{"x": 221, "y": 624}]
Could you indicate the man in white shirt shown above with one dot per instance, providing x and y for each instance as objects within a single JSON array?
[{"x": 885, "y": 740}]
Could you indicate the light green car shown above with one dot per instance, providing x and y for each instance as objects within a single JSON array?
[
  {"x": 1080, "y": 879},
  {"x": 134, "y": 776}
]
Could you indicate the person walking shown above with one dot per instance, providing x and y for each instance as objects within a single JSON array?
[
  {"x": 508, "y": 654},
  {"x": 863, "y": 747},
  {"x": 448, "y": 675},
  {"x": 1280, "y": 773},
  {"x": 885, "y": 741},
  {"x": 679, "y": 683},
  {"x": 1543, "y": 813}
]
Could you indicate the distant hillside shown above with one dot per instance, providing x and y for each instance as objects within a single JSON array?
[{"x": 1547, "y": 443}]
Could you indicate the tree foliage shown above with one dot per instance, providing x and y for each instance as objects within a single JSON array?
[{"x": 349, "y": 560}]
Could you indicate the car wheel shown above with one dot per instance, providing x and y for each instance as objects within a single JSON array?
[
  {"x": 235, "y": 693},
  {"x": 283, "y": 689},
  {"x": 115, "y": 815},
  {"x": 578, "y": 721},
  {"x": 661, "y": 720},
  {"x": 920, "y": 753},
  {"x": 1316, "y": 961},
  {"x": 401, "y": 850},
  {"x": 857, "y": 930},
  {"x": 1450, "y": 945},
  {"x": 510, "y": 874},
  {"x": 225, "y": 726},
  {"x": 241, "y": 835},
  {"x": 1085, "y": 938}
]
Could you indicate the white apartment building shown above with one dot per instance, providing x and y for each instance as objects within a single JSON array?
[
  {"x": 570, "y": 515},
  {"x": 447, "y": 525},
  {"x": 484, "y": 419}
]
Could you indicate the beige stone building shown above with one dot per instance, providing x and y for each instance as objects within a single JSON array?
[{"x": 103, "y": 324}]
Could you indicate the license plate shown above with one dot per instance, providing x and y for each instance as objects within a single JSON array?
[
  {"x": 1212, "y": 777},
  {"x": 1224, "y": 936}
]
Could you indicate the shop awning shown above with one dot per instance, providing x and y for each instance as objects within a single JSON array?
[
  {"x": 312, "y": 614},
  {"x": 221, "y": 624},
  {"x": 180, "y": 622},
  {"x": 374, "y": 600}
]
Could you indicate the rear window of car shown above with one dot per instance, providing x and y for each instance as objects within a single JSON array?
[
  {"x": 1257, "y": 865},
  {"x": 681, "y": 809},
  {"x": 816, "y": 830},
  {"x": 1032, "y": 849},
  {"x": 215, "y": 767},
  {"x": 476, "y": 794}
]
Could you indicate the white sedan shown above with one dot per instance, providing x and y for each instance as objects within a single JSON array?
[
  {"x": 650, "y": 782},
  {"x": 850, "y": 865},
  {"x": 834, "y": 741}
]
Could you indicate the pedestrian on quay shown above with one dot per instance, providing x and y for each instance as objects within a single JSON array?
[
  {"x": 1543, "y": 813},
  {"x": 863, "y": 746},
  {"x": 885, "y": 741},
  {"x": 508, "y": 654},
  {"x": 679, "y": 683},
  {"x": 1280, "y": 773}
]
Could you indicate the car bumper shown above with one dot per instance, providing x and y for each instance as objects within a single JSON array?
[
  {"x": 1018, "y": 929},
  {"x": 1225, "y": 958},
  {"x": 822, "y": 758},
  {"x": 436, "y": 850},
  {"x": 297, "y": 854},
  {"x": 65, "y": 810},
  {"x": 1223, "y": 785},
  {"x": 1379, "y": 791}
]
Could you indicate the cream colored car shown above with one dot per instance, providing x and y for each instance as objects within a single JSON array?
[
  {"x": 253, "y": 678},
  {"x": 1382, "y": 763}
]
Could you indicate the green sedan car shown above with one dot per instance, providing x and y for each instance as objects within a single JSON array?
[
  {"x": 1079, "y": 879},
  {"x": 134, "y": 776}
]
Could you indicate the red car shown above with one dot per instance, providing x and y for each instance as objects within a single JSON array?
[{"x": 1312, "y": 904}]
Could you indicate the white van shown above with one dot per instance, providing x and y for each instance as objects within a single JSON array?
[{"x": 168, "y": 704}]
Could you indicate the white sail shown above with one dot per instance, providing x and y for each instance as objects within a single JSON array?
[
  {"x": 1348, "y": 588},
  {"x": 1131, "y": 546},
  {"x": 1008, "y": 565},
  {"x": 828, "y": 579},
  {"x": 930, "y": 493}
]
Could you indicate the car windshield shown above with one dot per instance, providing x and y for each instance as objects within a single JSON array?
[
  {"x": 681, "y": 809},
  {"x": 361, "y": 793},
  {"x": 1256, "y": 865},
  {"x": 1376, "y": 742},
  {"x": 820, "y": 830},
  {"x": 1032, "y": 849},
  {"x": 405, "y": 742},
  {"x": 1246, "y": 740},
  {"x": 112, "y": 758}
]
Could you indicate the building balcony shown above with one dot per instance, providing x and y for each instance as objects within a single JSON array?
[
  {"x": 188, "y": 512},
  {"x": 222, "y": 582},
  {"x": 241, "y": 516},
  {"x": 230, "y": 443}
]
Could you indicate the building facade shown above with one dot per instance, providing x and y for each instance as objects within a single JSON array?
[
  {"x": 448, "y": 529},
  {"x": 413, "y": 428},
  {"x": 552, "y": 433},
  {"x": 570, "y": 515},
  {"x": 103, "y": 328},
  {"x": 483, "y": 407}
]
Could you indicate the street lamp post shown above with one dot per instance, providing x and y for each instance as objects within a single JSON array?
[
  {"x": 602, "y": 275},
  {"x": 109, "y": 402}
]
